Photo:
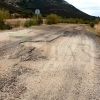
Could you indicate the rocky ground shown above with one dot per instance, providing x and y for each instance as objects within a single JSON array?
[{"x": 57, "y": 62}]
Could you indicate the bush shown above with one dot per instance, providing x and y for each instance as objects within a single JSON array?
[
  {"x": 4, "y": 14},
  {"x": 53, "y": 19},
  {"x": 92, "y": 24},
  {"x": 87, "y": 22},
  {"x": 30, "y": 22},
  {"x": 40, "y": 18},
  {"x": 81, "y": 21},
  {"x": 73, "y": 21},
  {"x": 96, "y": 21},
  {"x": 4, "y": 26}
]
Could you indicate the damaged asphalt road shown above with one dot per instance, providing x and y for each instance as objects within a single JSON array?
[{"x": 60, "y": 62}]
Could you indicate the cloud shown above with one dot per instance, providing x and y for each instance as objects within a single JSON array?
[{"x": 91, "y": 7}]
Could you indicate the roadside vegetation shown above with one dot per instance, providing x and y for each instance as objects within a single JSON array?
[
  {"x": 50, "y": 19},
  {"x": 17, "y": 24},
  {"x": 30, "y": 22},
  {"x": 97, "y": 29},
  {"x": 33, "y": 21},
  {"x": 4, "y": 14},
  {"x": 93, "y": 23},
  {"x": 54, "y": 19}
]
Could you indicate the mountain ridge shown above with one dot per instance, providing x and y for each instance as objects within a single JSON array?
[{"x": 59, "y": 7}]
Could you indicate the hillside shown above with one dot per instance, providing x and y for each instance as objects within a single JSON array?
[
  {"x": 13, "y": 9},
  {"x": 59, "y": 7}
]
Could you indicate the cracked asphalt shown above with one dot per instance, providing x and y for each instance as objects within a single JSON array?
[{"x": 57, "y": 62}]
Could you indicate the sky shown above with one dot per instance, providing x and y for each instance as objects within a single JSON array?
[{"x": 91, "y": 7}]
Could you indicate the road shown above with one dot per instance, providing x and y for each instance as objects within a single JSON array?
[{"x": 61, "y": 62}]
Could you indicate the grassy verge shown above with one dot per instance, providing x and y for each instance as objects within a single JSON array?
[
  {"x": 54, "y": 19},
  {"x": 30, "y": 22},
  {"x": 50, "y": 19},
  {"x": 97, "y": 29}
]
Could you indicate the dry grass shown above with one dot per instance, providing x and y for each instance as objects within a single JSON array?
[
  {"x": 97, "y": 29},
  {"x": 13, "y": 22},
  {"x": 90, "y": 29}
]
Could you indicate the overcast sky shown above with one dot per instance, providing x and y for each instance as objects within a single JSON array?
[{"x": 91, "y": 7}]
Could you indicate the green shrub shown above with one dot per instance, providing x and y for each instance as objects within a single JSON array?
[
  {"x": 30, "y": 22},
  {"x": 4, "y": 14},
  {"x": 49, "y": 22},
  {"x": 64, "y": 21},
  {"x": 87, "y": 21},
  {"x": 96, "y": 21},
  {"x": 4, "y": 26},
  {"x": 81, "y": 21},
  {"x": 92, "y": 24},
  {"x": 73, "y": 21},
  {"x": 40, "y": 18},
  {"x": 53, "y": 19}
]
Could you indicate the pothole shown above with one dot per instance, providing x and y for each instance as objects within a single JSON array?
[{"x": 28, "y": 52}]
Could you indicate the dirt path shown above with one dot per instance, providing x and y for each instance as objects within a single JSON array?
[{"x": 62, "y": 64}]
